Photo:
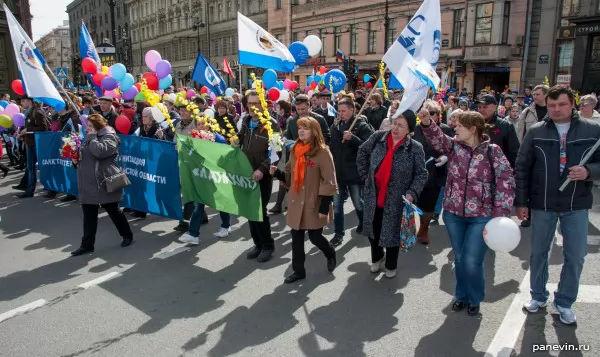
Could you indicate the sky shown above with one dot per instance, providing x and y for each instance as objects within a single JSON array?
[{"x": 47, "y": 14}]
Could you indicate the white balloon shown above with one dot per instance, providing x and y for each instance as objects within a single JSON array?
[
  {"x": 210, "y": 113},
  {"x": 284, "y": 95},
  {"x": 313, "y": 43},
  {"x": 157, "y": 115},
  {"x": 310, "y": 93},
  {"x": 172, "y": 97},
  {"x": 501, "y": 234}
]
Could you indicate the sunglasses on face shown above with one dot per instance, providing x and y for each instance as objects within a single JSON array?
[{"x": 432, "y": 113}]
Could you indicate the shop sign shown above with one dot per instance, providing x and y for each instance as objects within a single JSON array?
[
  {"x": 563, "y": 79},
  {"x": 587, "y": 29}
]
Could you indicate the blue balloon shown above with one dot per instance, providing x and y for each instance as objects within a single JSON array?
[
  {"x": 318, "y": 79},
  {"x": 279, "y": 85},
  {"x": 127, "y": 82},
  {"x": 335, "y": 80},
  {"x": 118, "y": 71},
  {"x": 379, "y": 84},
  {"x": 299, "y": 51},
  {"x": 3, "y": 103},
  {"x": 229, "y": 92},
  {"x": 366, "y": 78},
  {"x": 165, "y": 83},
  {"x": 270, "y": 78},
  {"x": 309, "y": 80}
]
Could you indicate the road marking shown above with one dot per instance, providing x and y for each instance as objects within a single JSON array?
[
  {"x": 22, "y": 310},
  {"x": 588, "y": 294},
  {"x": 504, "y": 341},
  {"x": 100, "y": 280},
  {"x": 170, "y": 253}
]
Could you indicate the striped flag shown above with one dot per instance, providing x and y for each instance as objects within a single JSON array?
[{"x": 339, "y": 55}]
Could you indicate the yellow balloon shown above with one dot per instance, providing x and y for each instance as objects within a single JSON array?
[
  {"x": 104, "y": 69},
  {"x": 5, "y": 121}
]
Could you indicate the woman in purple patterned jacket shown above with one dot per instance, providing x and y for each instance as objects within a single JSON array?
[{"x": 475, "y": 193}]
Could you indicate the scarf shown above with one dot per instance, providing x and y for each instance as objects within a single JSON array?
[
  {"x": 300, "y": 151},
  {"x": 383, "y": 175}
]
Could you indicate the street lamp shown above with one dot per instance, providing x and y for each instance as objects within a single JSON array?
[{"x": 198, "y": 24}]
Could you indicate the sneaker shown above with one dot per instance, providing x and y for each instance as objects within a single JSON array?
[
  {"x": 223, "y": 232},
  {"x": 390, "y": 273},
  {"x": 376, "y": 267},
  {"x": 534, "y": 305},
  {"x": 567, "y": 316},
  {"x": 265, "y": 255},
  {"x": 337, "y": 240},
  {"x": 189, "y": 239}
]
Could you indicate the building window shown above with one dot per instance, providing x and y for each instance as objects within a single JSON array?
[
  {"x": 337, "y": 39},
  {"x": 483, "y": 23},
  {"x": 118, "y": 12},
  {"x": 570, "y": 7},
  {"x": 372, "y": 38},
  {"x": 220, "y": 11},
  {"x": 321, "y": 36},
  {"x": 211, "y": 14},
  {"x": 457, "y": 31},
  {"x": 505, "y": 22},
  {"x": 595, "y": 53},
  {"x": 261, "y": 5},
  {"x": 106, "y": 17},
  {"x": 390, "y": 36},
  {"x": 294, "y": 36},
  {"x": 353, "y": 40},
  {"x": 277, "y": 4},
  {"x": 564, "y": 63},
  {"x": 228, "y": 15}
]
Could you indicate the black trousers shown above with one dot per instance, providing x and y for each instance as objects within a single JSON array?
[
  {"x": 391, "y": 261},
  {"x": 90, "y": 222},
  {"x": 261, "y": 231},
  {"x": 316, "y": 238}
]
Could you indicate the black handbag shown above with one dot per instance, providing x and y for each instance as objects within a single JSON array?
[{"x": 117, "y": 181}]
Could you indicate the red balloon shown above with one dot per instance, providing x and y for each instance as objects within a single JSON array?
[
  {"x": 123, "y": 124},
  {"x": 89, "y": 65},
  {"x": 313, "y": 85},
  {"x": 151, "y": 80},
  {"x": 138, "y": 86},
  {"x": 369, "y": 84},
  {"x": 17, "y": 87},
  {"x": 98, "y": 77},
  {"x": 204, "y": 90},
  {"x": 274, "y": 94},
  {"x": 294, "y": 85},
  {"x": 323, "y": 69}
]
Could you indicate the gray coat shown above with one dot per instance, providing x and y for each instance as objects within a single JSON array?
[
  {"x": 97, "y": 160},
  {"x": 408, "y": 176}
]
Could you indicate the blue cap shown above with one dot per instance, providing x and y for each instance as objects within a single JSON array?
[{"x": 451, "y": 90}]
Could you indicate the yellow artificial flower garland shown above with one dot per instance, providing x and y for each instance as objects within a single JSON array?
[
  {"x": 383, "y": 86},
  {"x": 265, "y": 117},
  {"x": 211, "y": 122},
  {"x": 153, "y": 99}
]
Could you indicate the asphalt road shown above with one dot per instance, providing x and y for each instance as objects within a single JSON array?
[{"x": 161, "y": 298}]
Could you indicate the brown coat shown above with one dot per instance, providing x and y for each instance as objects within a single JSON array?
[{"x": 319, "y": 180}]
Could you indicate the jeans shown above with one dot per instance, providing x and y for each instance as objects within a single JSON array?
[
  {"x": 90, "y": 222},
  {"x": 574, "y": 228},
  {"x": 440, "y": 201},
  {"x": 30, "y": 171},
  {"x": 298, "y": 255},
  {"x": 261, "y": 231},
  {"x": 466, "y": 238},
  {"x": 356, "y": 195},
  {"x": 391, "y": 261},
  {"x": 196, "y": 220},
  {"x": 188, "y": 210}
]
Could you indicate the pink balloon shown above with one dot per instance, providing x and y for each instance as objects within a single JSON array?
[
  {"x": 11, "y": 110},
  {"x": 310, "y": 93},
  {"x": 152, "y": 58},
  {"x": 213, "y": 96},
  {"x": 287, "y": 84},
  {"x": 190, "y": 94}
]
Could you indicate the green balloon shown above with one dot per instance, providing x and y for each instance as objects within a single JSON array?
[
  {"x": 5, "y": 121},
  {"x": 140, "y": 97}
]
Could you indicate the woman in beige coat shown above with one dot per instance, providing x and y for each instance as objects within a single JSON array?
[{"x": 310, "y": 177}]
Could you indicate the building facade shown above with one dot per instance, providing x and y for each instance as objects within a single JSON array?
[
  {"x": 179, "y": 30},
  {"x": 97, "y": 16},
  {"x": 482, "y": 42},
  {"x": 55, "y": 46},
  {"x": 8, "y": 64}
]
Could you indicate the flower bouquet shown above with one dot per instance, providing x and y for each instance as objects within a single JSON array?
[
  {"x": 71, "y": 145},
  {"x": 201, "y": 134}
]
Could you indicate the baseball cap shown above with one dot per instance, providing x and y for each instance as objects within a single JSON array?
[{"x": 488, "y": 99}]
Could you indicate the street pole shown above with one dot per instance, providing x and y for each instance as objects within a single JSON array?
[
  {"x": 207, "y": 31},
  {"x": 112, "y": 4},
  {"x": 386, "y": 26}
]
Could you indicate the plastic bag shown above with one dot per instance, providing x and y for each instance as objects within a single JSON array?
[{"x": 408, "y": 229}]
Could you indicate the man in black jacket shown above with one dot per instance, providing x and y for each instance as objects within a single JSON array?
[
  {"x": 303, "y": 110},
  {"x": 107, "y": 111},
  {"x": 323, "y": 109},
  {"x": 550, "y": 154},
  {"x": 344, "y": 158},
  {"x": 501, "y": 132}
]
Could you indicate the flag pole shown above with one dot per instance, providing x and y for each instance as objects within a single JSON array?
[
  {"x": 364, "y": 106},
  {"x": 48, "y": 69},
  {"x": 240, "y": 70}
]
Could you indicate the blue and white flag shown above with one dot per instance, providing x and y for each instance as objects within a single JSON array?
[
  {"x": 87, "y": 49},
  {"x": 31, "y": 66},
  {"x": 417, "y": 47},
  {"x": 205, "y": 74},
  {"x": 259, "y": 48}
]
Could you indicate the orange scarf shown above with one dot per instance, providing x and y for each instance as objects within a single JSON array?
[{"x": 300, "y": 151}]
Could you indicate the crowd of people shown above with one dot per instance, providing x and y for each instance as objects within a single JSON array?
[{"x": 463, "y": 158}]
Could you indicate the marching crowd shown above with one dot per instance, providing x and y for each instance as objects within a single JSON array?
[{"x": 463, "y": 158}]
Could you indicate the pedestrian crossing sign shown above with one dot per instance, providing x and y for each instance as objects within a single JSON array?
[{"x": 62, "y": 73}]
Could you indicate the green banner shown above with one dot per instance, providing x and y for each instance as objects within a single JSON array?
[{"x": 218, "y": 175}]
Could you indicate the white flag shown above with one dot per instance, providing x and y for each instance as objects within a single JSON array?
[
  {"x": 259, "y": 48},
  {"x": 420, "y": 41},
  {"x": 31, "y": 66}
]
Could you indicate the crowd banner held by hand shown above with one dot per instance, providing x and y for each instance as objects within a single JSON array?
[{"x": 219, "y": 176}]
